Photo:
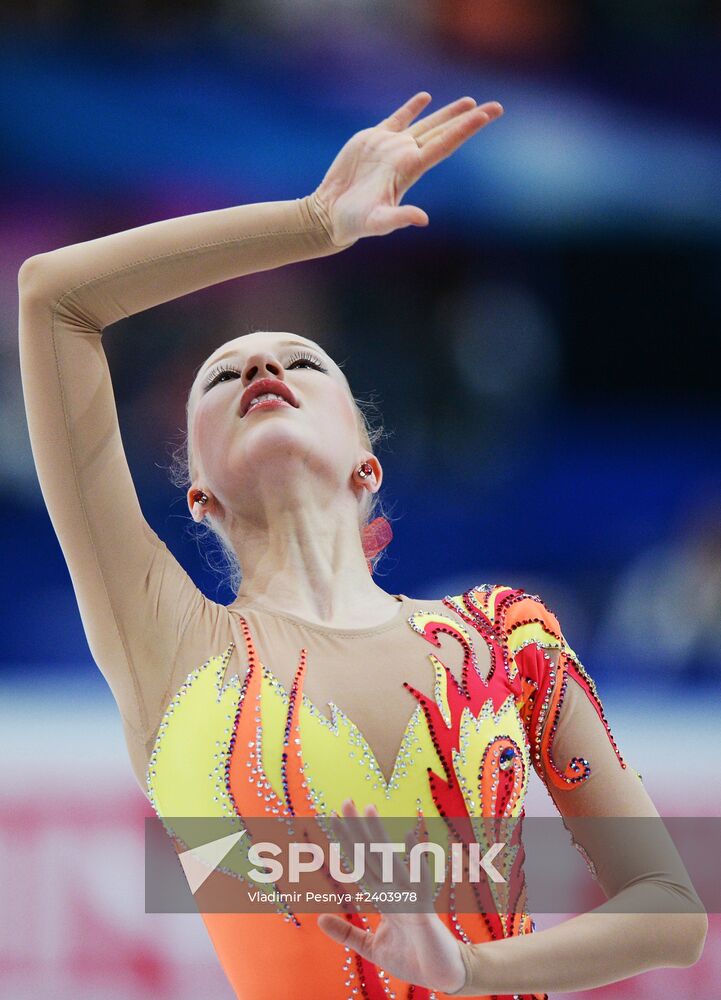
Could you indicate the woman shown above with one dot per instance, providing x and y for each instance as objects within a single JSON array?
[{"x": 288, "y": 483}]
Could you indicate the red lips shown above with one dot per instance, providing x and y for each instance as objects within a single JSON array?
[{"x": 275, "y": 385}]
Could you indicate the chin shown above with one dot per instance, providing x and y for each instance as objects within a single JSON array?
[{"x": 285, "y": 450}]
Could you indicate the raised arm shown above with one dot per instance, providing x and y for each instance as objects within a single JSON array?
[{"x": 134, "y": 599}]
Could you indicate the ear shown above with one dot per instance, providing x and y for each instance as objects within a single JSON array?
[
  {"x": 374, "y": 481},
  {"x": 198, "y": 510}
]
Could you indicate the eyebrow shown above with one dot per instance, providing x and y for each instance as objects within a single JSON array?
[{"x": 287, "y": 343}]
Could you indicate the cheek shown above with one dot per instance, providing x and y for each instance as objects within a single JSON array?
[
  {"x": 343, "y": 427},
  {"x": 208, "y": 433}
]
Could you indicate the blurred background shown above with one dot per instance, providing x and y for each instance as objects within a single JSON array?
[{"x": 544, "y": 359}]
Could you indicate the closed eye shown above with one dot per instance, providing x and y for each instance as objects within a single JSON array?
[
  {"x": 310, "y": 359},
  {"x": 218, "y": 373}
]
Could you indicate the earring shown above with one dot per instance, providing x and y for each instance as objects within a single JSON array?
[
  {"x": 200, "y": 497},
  {"x": 365, "y": 470}
]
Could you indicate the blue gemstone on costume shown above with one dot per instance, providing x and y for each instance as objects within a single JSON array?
[{"x": 506, "y": 759}]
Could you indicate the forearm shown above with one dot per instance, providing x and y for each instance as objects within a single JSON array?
[
  {"x": 101, "y": 281},
  {"x": 592, "y": 949}
]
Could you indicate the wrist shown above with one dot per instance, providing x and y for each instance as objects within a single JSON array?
[
  {"x": 318, "y": 205},
  {"x": 459, "y": 991}
]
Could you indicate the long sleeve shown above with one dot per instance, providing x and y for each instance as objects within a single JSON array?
[
  {"x": 653, "y": 916},
  {"x": 135, "y": 600}
]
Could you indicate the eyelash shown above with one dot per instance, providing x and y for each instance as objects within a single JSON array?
[{"x": 299, "y": 356}]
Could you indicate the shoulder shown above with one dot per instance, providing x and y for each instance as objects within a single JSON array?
[
  {"x": 521, "y": 616},
  {"x": 525, "y": 623},
  {"x": 527, "y": 618}
]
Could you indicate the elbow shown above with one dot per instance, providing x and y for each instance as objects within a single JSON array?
[
  {"x": 698, "y": 941},
  {"x": 50, "y": 282},
  {"x": 692, "y": 931},
  {"x": 39, "y": 277},
  {"x": 31, "y": 275}
]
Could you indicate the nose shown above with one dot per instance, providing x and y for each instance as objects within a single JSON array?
[{"x": 262, "y": 364}]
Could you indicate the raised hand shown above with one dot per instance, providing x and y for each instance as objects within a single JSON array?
[
  {"x": 415, "y": 947},
  {"x": 361, "y": 192}
]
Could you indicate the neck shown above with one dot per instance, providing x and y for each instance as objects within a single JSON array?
[{"x": 311, "y": 565}]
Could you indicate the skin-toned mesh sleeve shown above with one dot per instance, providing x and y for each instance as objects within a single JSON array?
[
  {"x": 135, "y": 600},
  {"x": 635, "y": 862}
]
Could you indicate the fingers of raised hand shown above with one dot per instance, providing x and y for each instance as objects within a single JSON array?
[
  {"x": 440, "y": 117},
  {"x": 444, "y": 139},
  {"x": 463, "y": 123},
  {"x": 385, "y": 218},
  {"x": 404, "y": 115}
]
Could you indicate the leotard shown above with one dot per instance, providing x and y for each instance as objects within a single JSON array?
[{"x": 445, "y": 708}]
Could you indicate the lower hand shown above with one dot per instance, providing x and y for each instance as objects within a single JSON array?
[{"x": 415, "y": 947}]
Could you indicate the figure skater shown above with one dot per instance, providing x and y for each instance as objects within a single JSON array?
[{"x": 315, "y": 689}]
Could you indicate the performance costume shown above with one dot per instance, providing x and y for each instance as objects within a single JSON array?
[{"x": 443, "y": 709}]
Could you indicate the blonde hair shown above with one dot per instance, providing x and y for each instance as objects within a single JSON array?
[{"x": 229, "y": 568}]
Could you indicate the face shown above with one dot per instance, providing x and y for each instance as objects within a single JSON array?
[{"x": 234, "y": 455}]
